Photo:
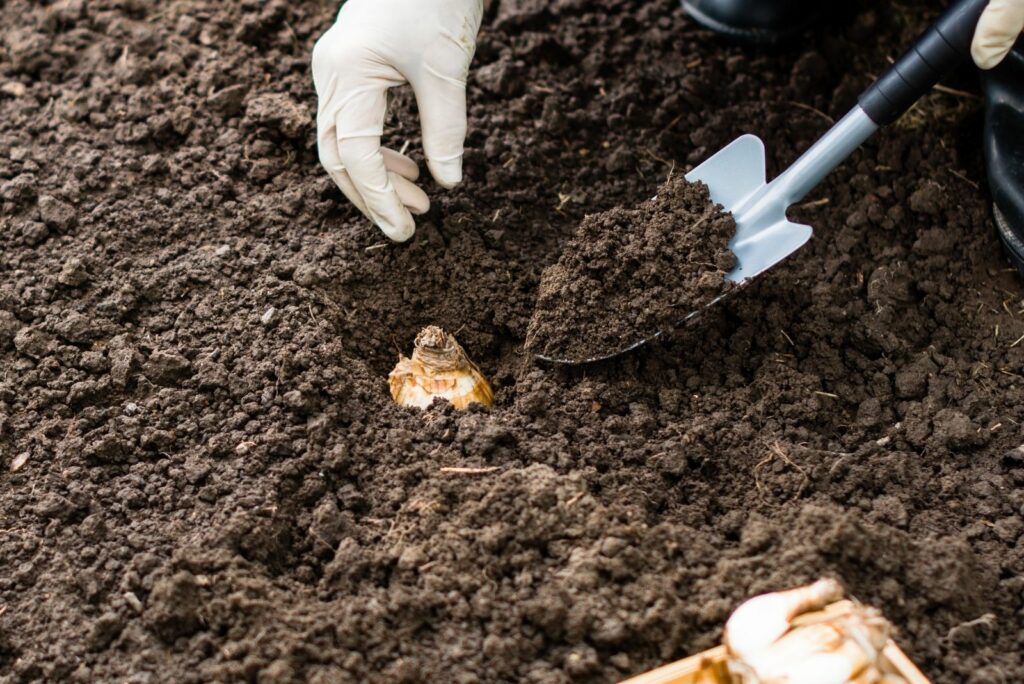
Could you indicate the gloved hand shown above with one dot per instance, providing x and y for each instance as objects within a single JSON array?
[
  {"x": 998, "y": 29},
  {"x": 373, "y": 46}
]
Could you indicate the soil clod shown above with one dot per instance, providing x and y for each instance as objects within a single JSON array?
[{"x": 629, "y": 274}]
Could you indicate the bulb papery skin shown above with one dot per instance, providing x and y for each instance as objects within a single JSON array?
[
  {"x": 824, "y": 668},
  {"x": 760, "y": 622},
  {"x": 809, "y": 636},
  {"x": 811, "y": 660},
  {"x": 439, "y": 369}
]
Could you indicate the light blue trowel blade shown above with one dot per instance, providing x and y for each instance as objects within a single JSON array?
[
  {"x": 737, "y": 180},
  {"x": 734, "y": 173}
]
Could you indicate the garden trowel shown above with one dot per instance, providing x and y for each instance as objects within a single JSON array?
[{"x": 736, "y": 174}]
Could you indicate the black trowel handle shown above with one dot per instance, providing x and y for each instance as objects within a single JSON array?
[{"x": 943, "y": 47}]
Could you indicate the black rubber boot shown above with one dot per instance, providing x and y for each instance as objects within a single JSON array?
[
  {"x": 1004, "y": 149},
  {"x": 765, "y": 22}
]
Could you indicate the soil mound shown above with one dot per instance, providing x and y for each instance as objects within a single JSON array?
[{"x": 629, "y": 274}]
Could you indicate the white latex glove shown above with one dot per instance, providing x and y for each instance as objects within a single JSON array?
[
  {"x": 998, "y": 29},
  {"x": 376, "y": 45}
]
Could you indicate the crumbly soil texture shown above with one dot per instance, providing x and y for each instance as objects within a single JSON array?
[
  {"x": 629, "y": 274},
  {"x": 203, "y": 477}
]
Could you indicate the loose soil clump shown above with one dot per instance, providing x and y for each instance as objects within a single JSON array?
[
  {"x": 203, "y": 476},
  {"x": 629, "y": 274}
]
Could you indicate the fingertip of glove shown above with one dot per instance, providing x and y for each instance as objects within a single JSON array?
[
  {"x": 988, "y": 63},
  {"x": 986, "y": 60},
  {"x": 447, "y": 173},
  {"x": 401, "y": 232},
  {"x": 988, "y": 50}
]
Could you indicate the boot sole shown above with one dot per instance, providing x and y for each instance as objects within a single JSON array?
[{"x": 1011, "y": 241}]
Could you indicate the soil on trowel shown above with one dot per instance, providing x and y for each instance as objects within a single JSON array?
[
  {"x": 203, "y": 477},
  {"x": 629, "y": 274}
]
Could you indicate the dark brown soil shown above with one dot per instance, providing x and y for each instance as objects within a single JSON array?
[
  {"x": 629, "y": 274},
  {"x": 203, "y": 478}
]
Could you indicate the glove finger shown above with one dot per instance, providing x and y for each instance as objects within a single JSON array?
[
  {"x": 412, "y": 196},
  {"x": 363, "y": 160},
  {"x": 330, "y": 159},
  {"x": 998, "y": 29},
  {"x": 359, "y": 123},
  {"x": 400, "y": 164},
  {"x": 352, "y": 80},
  {"x": 395, "y": 162},
  {"x": 440, "y": 89},
  {"x": 401, "y": 168}
]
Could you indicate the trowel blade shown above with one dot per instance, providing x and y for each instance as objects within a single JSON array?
[
  {"x": 735, "y": 173},
  {"x": 737, "y": 180}
]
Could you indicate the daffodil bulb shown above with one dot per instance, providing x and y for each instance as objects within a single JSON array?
[
  {"x": 809, "y": 636},
  {"x": 438, "y": 368},
  {"x": 762, "y": 620}
]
